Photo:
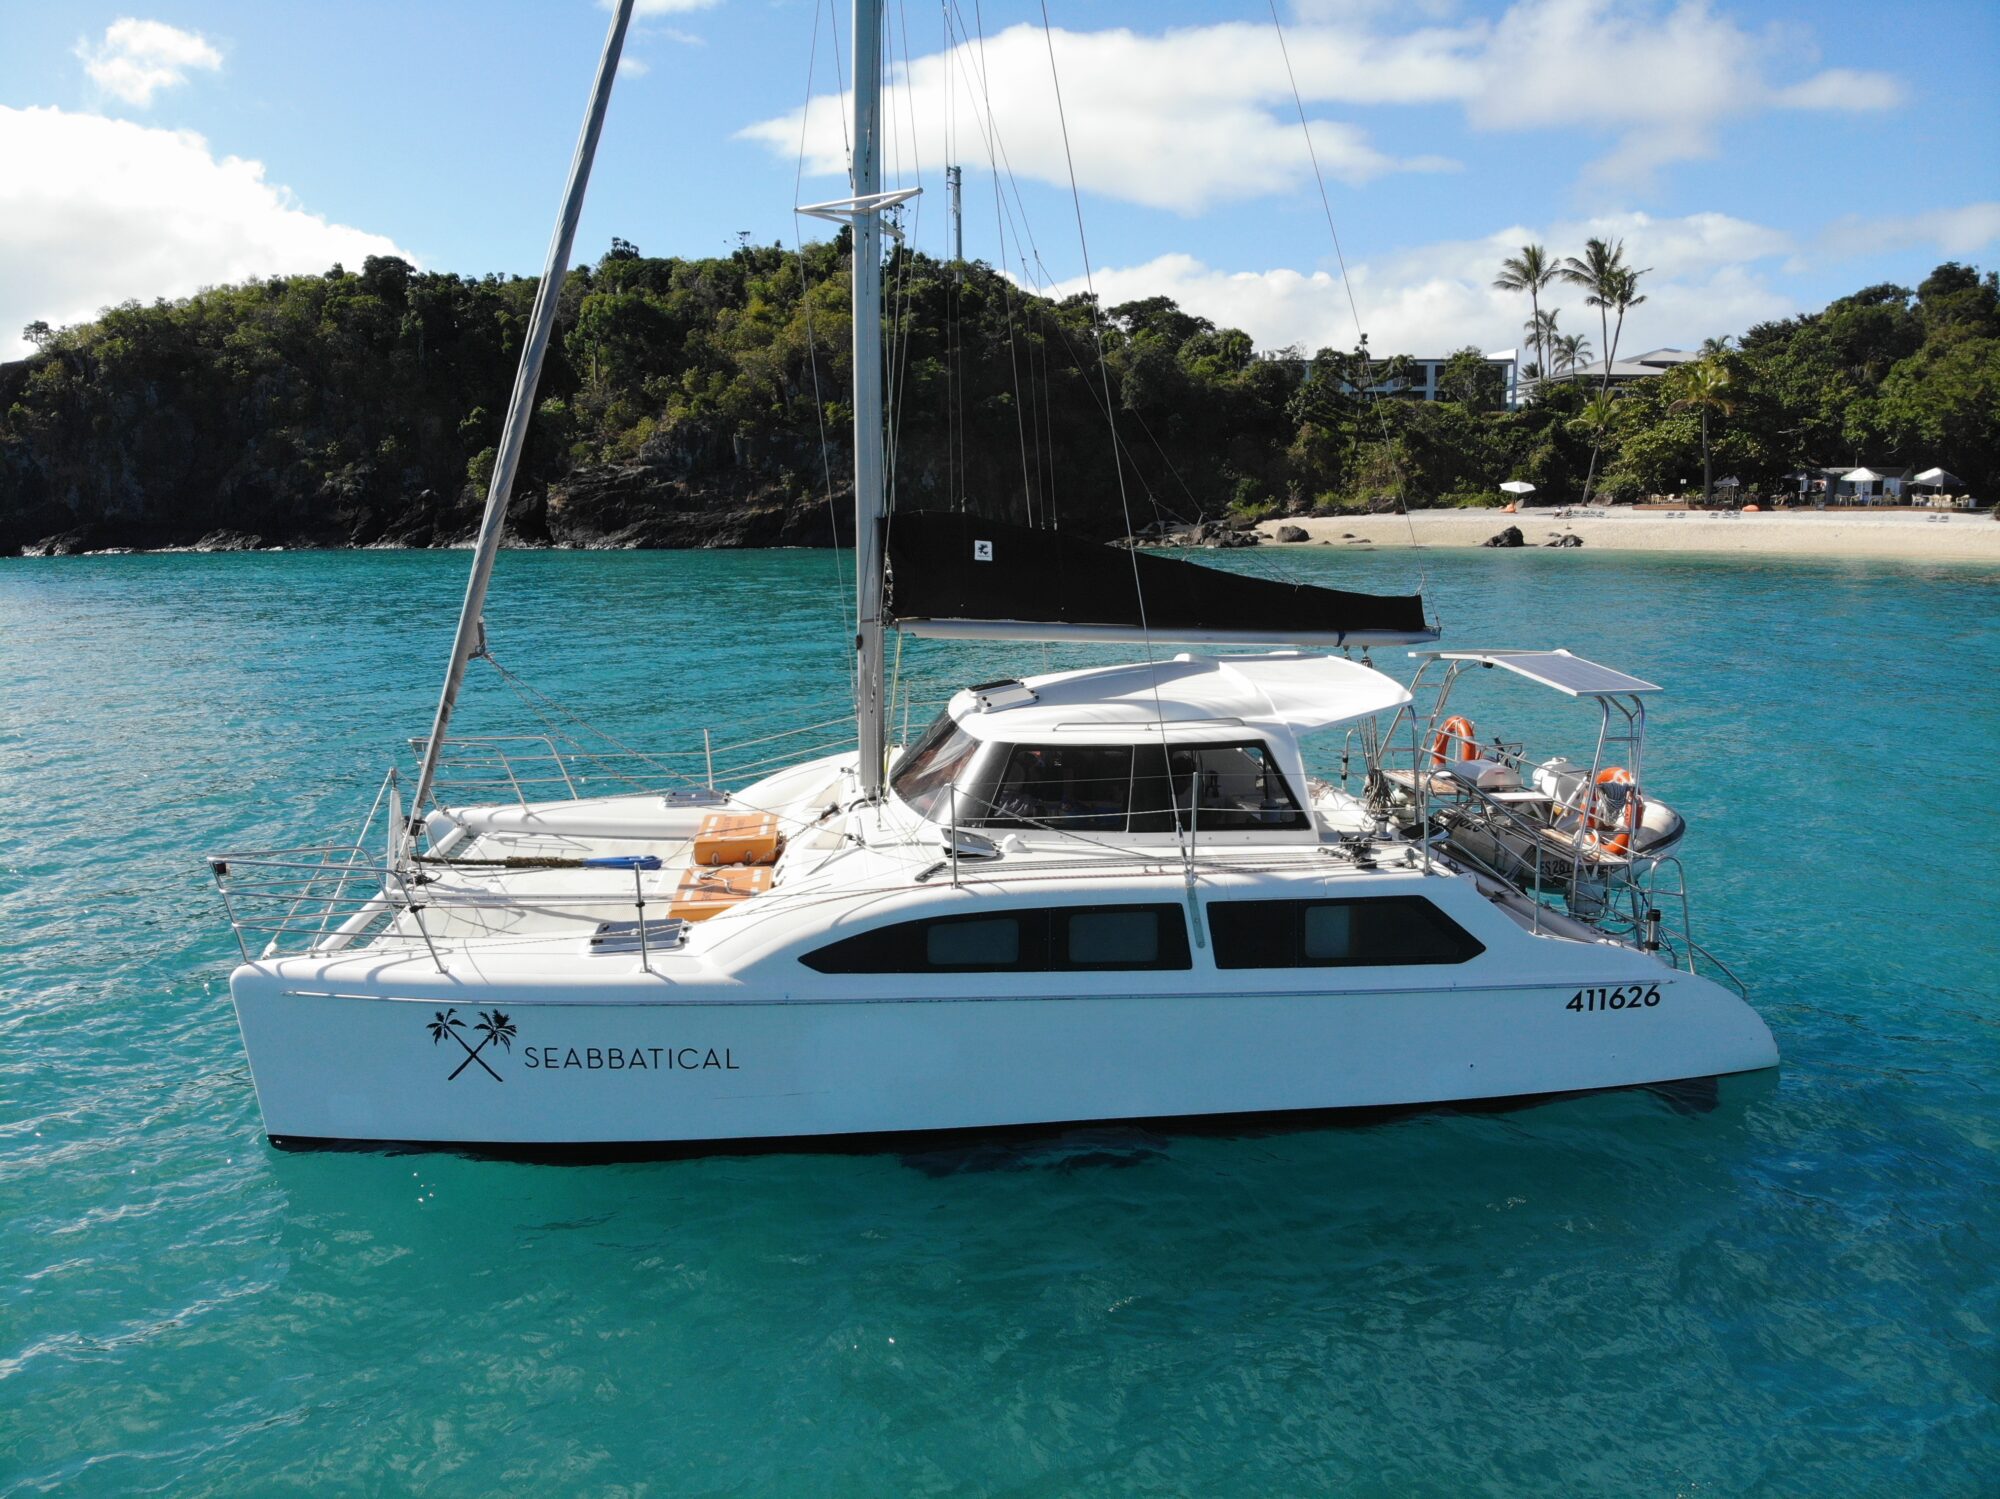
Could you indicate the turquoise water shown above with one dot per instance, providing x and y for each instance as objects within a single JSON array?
[{"x": 1793, "y": 1292}]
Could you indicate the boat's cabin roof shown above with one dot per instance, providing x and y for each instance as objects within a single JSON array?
[
  {"x": 1289, "y": 693},
  {"x": 1207, "y": 744}
]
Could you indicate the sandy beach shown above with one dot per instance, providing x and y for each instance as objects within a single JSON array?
[{"x": 1903, "y": 537}]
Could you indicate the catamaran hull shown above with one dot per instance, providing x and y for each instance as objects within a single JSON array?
[{"x": 351, "y": 1067}]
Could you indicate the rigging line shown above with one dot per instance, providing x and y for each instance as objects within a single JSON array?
[
  {"x": 957, "y": 458},
  {"x": 1340, "y": 259},
  {"x": 999, "y": 159},
  {"x": 1152, "y": 497},
  {"x": 842, "y": 592},
  {"x": 839, "y": 87},
  {"x": 987, "y": 131},
  {"x": 1110, "y": 415},
  {"x": 896, "y": 343}
]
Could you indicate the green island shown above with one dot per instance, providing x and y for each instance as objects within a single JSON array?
[{"x": 700, "y": 402}]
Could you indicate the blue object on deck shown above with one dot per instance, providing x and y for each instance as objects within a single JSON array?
[{"x": 624, "y": 861}]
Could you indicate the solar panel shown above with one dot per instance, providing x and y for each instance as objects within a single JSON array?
[{"x": 1558, "y": 669}]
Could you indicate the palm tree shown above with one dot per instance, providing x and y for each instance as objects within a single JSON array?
[
  {"x": 1597, "y": 271},
  {"x": 444, "y": 1023},
  {"x": 1543, "y": 334},
  {"x": 1572, "y": 349},
  {"x": 1703, "y": 386},
  {"x": 1530, "y": 271},
  {"x": 1608, "y": 284},
  {"x": 1624, "y": 297}
]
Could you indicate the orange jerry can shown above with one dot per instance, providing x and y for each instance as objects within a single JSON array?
[
  {"x": 703, "y": 892},
  {"x": 737, "y": 838}
]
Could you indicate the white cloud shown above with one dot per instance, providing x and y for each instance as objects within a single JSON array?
[
  {"x": 1178, "y": 121},
  {"x": 137, "y": 59},
  {"x": 1844, "y": 88},
  {"x": 633, "y": 67},
  {"x": 1707, "y": 277},
  {"x": 1199, "y": 115},
  {"x": 1954, "y": 231},
  {"x": 94, "y": 211}
]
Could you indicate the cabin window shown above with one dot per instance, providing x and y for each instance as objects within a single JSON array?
[
  {"x": 1232, "y": 788},
  {"x": 1083, "y": 788},
  {"x": 1383, "y": 931},
  {"x": 927, "y": 769},
  {"x": 1117, "y": 938},
  {"x": 995, "y": 943},
  {"x": 1117, "y": 788},
  {"x": 1053, "y": 940}
]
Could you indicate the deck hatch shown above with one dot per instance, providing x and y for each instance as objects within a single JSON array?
[{"x": 623, "y": 936}]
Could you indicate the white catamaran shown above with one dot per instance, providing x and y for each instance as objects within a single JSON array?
[{"x": 1112, "y": 893}]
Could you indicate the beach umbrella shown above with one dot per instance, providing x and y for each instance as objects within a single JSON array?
[
  {"x": 1732, "y": 482},
  {"x": 1936, "y": 478},
  {"x": 1518, "y": 486},
  {"x": 1860, "y": 476}
]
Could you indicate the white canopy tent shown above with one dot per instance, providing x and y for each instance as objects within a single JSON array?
[{"x": 1862, "y": 482}]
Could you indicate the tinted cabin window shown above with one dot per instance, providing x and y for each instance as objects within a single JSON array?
[
  {"x": 1087, "y": 938},
  {"x": 1383, "y": 931},
  {"x": 1078, "y": 788},
  {"x": 973, "y": 944},
  {"x": 1231, "y": 787},
  {"x": 928, "y": 768}
]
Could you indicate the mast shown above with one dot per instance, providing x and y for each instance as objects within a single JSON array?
[
  {"x": 470, "y": 640},
  {"x": 954, "y": 178},
  {"x": 870, "y": 501}
]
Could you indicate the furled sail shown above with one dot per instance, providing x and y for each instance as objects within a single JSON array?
[{"x": 961, "y": 575}]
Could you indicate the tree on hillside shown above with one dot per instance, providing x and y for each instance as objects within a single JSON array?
[
  {"x": 1472, "y": 381},
  {"x": 1530, "y": 271},
  {"x": 38, "y": 333}
]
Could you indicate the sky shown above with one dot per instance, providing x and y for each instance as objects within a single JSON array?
[{"x": 1757, "y": 159}]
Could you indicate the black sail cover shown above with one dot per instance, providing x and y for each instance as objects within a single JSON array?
[{"x": 959, "y": 574}]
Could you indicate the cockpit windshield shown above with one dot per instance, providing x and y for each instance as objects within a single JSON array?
[{"x": 928, "y": 767}]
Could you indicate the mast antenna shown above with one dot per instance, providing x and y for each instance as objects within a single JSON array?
[{"x": 470, "y": 641}]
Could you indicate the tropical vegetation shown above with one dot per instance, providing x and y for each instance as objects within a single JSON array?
[{"x": 693, "y": 402}]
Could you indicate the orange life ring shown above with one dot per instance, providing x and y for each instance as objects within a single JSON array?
[
  {"x": 1619, "y": 839},
  {"x": 1456, "y": 730}
]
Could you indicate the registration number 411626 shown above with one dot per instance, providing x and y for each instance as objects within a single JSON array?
[{"x": 1624, "y": 997}]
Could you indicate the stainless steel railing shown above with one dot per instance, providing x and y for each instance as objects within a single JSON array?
[
  {"x": 319, "y": 901},
  {"x": 476, "y": 770}
]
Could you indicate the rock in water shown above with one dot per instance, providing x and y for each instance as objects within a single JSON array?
[
  {"x": 1511, "y": 537},
  {"x": 1569, "y": 539}
]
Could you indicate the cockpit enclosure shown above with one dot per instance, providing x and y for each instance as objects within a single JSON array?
[
  {"x": 1586, "y": 835},
  {"x": 1197, "y": 745}
]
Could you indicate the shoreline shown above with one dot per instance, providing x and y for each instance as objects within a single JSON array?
[
  {"x": 1827, "y": 535},
  {"x": 1943, "y": 537}
]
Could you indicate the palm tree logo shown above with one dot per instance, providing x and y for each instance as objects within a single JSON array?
[{"x": 493, "y": 1026}]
